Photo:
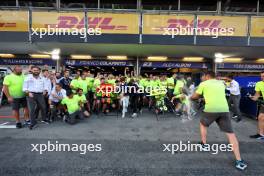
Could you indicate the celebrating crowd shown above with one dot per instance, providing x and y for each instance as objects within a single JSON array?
[{"x": 75, "y": 97}]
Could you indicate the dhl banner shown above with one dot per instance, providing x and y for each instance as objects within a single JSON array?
[
  {"x": 257, "y": 27},
  {"x": 184, "y": 25},
  {"x": 14, "y": 21},
  {"x": 106, "y": 22},
  {"x": 158, "y": 24},
  {"x": 225, "y": 25}
]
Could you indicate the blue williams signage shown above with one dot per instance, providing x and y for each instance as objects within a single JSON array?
[
  {"x": 240, "y": 66},
  {"x": 97, "y": 63},
  {"x": 26, "y": 61},
  {"x": 175, "y": 65}
]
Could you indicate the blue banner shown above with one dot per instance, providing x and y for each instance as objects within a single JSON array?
[
  {"x": 240, "y": 66},
  {"x": 175, "y": 65},
  {"x": 247, "y": 81},
  {"x": 27, "y": 61},
  {"x": 71, "y": 62}
]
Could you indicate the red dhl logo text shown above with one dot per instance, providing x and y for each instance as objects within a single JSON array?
[{"x": 105, "y": 23}]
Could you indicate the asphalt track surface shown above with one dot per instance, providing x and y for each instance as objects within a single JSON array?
[{"x": 129, "y": 147}]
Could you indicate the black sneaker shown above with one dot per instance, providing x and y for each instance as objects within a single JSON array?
[
  {"x": 45, "y": 121},
  {"x": 31, "y": 127},
  {"x": 27, "y": 123},
  {"x": 256, "y": 136},
  {"x": 203, "y": 147},
  {"x": 241, "y": 165},
  {"x": 18, "y": 125}
]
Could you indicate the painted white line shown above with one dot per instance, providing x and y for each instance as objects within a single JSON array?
[
  {"x": 7, "y": 126},
  {"x": 4, "y": 123}
]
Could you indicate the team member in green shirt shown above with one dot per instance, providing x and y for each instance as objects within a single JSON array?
[
  {"x": 171, "y": 85},
  {"x": 217, "y": 110},
  {"x": 12, "y": 87},
  {"x": 75, "y": 83},
  {"x": 259, "y": 88},
  {"x": 73, "y": 107},
  {"x": 83, "y": 102}
]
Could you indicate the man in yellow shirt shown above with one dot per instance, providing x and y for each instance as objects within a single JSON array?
[
  {"x": 12, "y": 88},
  {"x": 217, "y": 110},
  {"x": 259, "y": 88}
]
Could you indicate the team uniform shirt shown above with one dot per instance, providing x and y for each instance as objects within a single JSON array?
[
  {"x": 36, "y": 85},
  {"x": 72, "y": 104},
  {"x": 74, "y": 84},
  {"x": 111, "y": 81},
  {"x": 90, "y": 82},
  {"x": 96, "y": 84},
  {"x": 234, "y": 88},
  {"x": 170, "y": 82},
  {"x": 260, "y": 87},
  {"x": 81, "y": 98},
  {"x": 179, "y": 85},
  {"x": 163, "y": 84},
  {"x": 15, "y": 85},
  {"x": 83, "y": 85},
  {"x": 61, "y": 94},
  {"x": 213, "y": 92}
]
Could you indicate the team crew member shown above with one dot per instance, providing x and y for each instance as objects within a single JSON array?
[
  {"x": 66, "y": 81},
  {"x": 73, "y": 108},
  {"x": 259, "y": 88},
  {"x": 57, "y": 94},
  {"x": 171, "y": 85},
  {"x": 36, "y": 89},
  {"x": 216, "y": 110},
  {"x": 234, "y": 99},
  {"x": 12, "y": 87}
]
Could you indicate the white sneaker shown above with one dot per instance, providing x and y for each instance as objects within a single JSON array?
[
  {"x": 134, "y": 115},
  {"x": 123, "y": 115}
]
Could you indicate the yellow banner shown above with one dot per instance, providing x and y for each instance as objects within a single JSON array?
[
  {"x": 161, "y": 24},
  {"x": 13, "y": 21},
  {"x": 106, "y": 22},
  {"x": 257, "y": 27},
  {"x": 223, "y": 25}
]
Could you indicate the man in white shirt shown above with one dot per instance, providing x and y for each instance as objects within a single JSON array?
[
  {"x": 36, "y": 88},
  {"x": 234, "y": 99},
  {"x": 55, "y": 97}
]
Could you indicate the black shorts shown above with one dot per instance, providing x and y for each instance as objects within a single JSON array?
[
  {"x": 222, "y": 119},
  {"x": 18, "y": 103}
]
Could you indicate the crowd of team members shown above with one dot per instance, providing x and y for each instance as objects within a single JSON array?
[{"x": 75, "y": 96}]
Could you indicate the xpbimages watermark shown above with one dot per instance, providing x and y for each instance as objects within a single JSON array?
[
  {"x": 62, "y": 147},
  {"x": 55, "y": 31},
  {"x": 188, "y": 30},
  {"x": 189, "y": 147}
]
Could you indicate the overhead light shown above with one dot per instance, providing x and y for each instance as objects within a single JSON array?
[
  {"x": 117, "y": 57},
  {"x": 260, "y": 60},
  {"x": 74, "y": 56},
  {"x": 193, "y": 59},
  {"x": 7, "y": 55},
  {"x": 157, "y": 58},
  {"x": 40, "y": 55},
  {"x": 55, "y": 54},
  {"x": 219, "y": 55},
  {"x": 232, "y": 59},
  {"x": 219, "y": 60}
]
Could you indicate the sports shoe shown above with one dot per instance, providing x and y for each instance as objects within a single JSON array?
[
  {"x": 45, "y": 121},
  {"x": 18, "y": 125},
  {"x": 27, "y": 123},
  {"x": 241, "y": 165},
  {"x": 134, "y": 115},
  {"x": 257, "y": 136},
  {"x": 234, "y": 117},
  {"x": 31, "y": 127},
  {"x": 123, "y": 115}
]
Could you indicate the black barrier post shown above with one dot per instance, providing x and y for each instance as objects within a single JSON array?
[{"x": 30, "y": 24}]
